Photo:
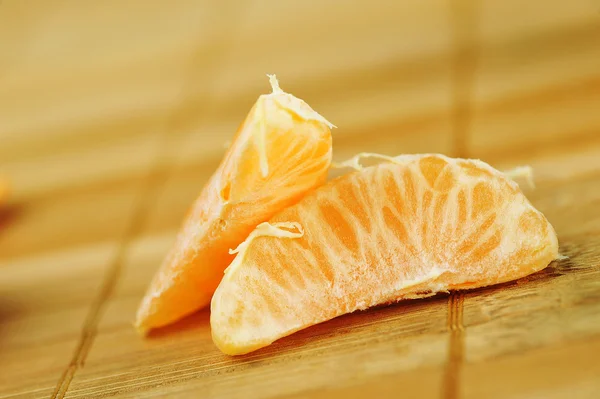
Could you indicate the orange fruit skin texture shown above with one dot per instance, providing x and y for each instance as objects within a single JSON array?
[
  {"x": 411, "y": 228},
  {"x": 280, "y": 152}
]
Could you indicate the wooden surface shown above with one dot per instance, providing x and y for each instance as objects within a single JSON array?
[{"x": 114, "y": 113}]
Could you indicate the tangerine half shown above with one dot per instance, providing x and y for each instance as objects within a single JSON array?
[
  {"x": 408, "y": 228},
  {"x": 281, "y": 151}
]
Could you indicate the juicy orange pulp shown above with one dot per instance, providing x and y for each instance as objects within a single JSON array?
[
  {"x": 280, "y": 152},
  {"x": 408, "y": 228}
]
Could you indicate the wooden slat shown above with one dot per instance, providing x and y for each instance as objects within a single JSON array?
[
  {"x": 75, "y": 171},
  {"x": 512, "y": 20},
  {"x": 81, "y": 218},
  {"x": 541, "y": 373},
  {"x": 44, "y": 301},
  {"x": 74, "y": 74},
  {"x": 395, "y": 90},
  {"x": 334, "y": 38},
  {"x": 536, "y": 79},
  {"x": 541, "y": 311},
  {"x": 556, "y": 162},
  {"x": 356, "y": 346}
]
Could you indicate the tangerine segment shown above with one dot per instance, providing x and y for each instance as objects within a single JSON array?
[
  {"x": 3, "y": 191},
  {"x": 280, "y": 152},
  {"x": 404, "y": 229}
]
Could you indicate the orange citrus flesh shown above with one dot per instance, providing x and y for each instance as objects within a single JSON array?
[
  {"x": 280, "y": 152},
  {"x": 3, "y": 191},
  {"x": 408, "y": 228}
]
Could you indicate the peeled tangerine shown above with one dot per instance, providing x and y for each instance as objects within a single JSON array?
[
  {"x": 408, "y": 228},
  {"x": 281, "y": 151}
]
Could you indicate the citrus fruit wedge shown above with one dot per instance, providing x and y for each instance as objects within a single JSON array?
[
  {"x": 408, "y": 228},
  {"x": 281, "y": 151},
  {"x": 3, "y": 191}
]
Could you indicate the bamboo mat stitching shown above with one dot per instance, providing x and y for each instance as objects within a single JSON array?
[
  {"x": 463, "y": 20},
  {"x": 456, "y": 346}
]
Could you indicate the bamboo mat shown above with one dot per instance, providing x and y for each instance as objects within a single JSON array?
[{"x": 113, "y": 114}]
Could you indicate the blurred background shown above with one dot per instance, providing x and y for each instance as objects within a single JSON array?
[{"x": 114, "y": 113}]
